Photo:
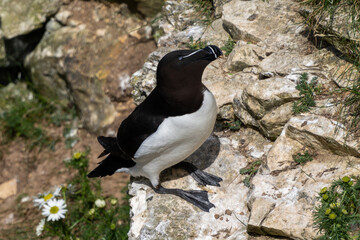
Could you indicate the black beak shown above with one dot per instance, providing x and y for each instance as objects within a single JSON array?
[{"x": 214, "y": 51}]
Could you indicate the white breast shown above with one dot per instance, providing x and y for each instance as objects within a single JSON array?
[{"x": 175, "y": 139}]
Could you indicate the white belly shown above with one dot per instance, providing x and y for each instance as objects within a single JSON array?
[{"x": 175, "y": 139}]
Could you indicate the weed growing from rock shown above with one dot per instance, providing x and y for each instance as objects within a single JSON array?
[
  {"x": 232, "y": 125},
  {"x": 250, "y": 171},
  {"x": 338, "y": 23},
  {"x": 338, "y": 215},
  {"x": 229, "y": 46},
  {"x": 307, "y": 90},
  {"x": 302, "y": 158},
  {"x": 205, "y": 8},
  {"x": 193, "y": 45},
  {"x": 81, "y": 211}
]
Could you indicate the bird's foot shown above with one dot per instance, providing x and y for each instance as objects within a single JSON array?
[
  {"x": 198, "y": 198},
  {"x": 200, "y": 176}
]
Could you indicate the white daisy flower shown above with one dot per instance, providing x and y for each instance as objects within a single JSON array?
[
  {"x": 100, "y": 203},
  {"x": 40, "y": 227},
  {"x": 54, "y": 209},
  {"x": 46, "y": 197}
]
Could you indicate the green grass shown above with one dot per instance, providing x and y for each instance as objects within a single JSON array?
[
  {"x": 306, "y": 91},
  {"x": 323, "y": 30},
  {"x": 205, "y": 9},
  {"x": 302, "y": 158},
  {"x": 233, "y": 125},
  {"x": 84, "y": 218},
  {"x": 351, "y": 103},
  {"x": 229, "y": 46},
  {"x": 338, "y": 215},
  {"x": 23, "y": 114},
  {"x": 193, "y": 45},
  {"x": 250, "y": 171}
]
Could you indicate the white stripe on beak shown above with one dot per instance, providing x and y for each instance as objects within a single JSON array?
[{"x": 213, "y": 51}]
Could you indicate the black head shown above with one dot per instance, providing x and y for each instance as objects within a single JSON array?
[{"x": 181, "y": 66}]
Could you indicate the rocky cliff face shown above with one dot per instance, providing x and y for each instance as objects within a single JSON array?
[
  {"x": 78, "y": 53},
  {"x": 256, "y": 84}
]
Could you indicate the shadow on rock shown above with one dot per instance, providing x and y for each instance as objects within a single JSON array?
[{"x": 201, "y": 158}]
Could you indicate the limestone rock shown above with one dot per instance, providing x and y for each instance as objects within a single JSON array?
[
  {"x": 319, "y": 132},
  {"x": 177, "y": 24},
  {"x": 251, "y": 143},
  {"x": 149, "y": 8},
  {"x": 21, "y": 27},
  {"x": 218, "y": 7},
  {"x": 23, "y": 16},
  {"x": 87, "y": 58},
  {"x": 290, "y": 189},
  {"x": 226, "y": 112},
  {"x": 243, "y": 56},
  {"x": 241, "y": 111},
  {"x": 225, "y": 86},
  {"x": 272, "y": 123},
  {"x": 254, "y": 21},
  {"x": 265, "y": 95},
  {"x": 8, "y": 188},
  {"x": 153, "y": 214},
  {"x": 215, "y": 34},
  {"x": 257, "y": 216}
]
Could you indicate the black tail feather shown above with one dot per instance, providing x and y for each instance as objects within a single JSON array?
[
  {"x": 104, "y": 153},
  {"x": 111, "y": 146},
  {"x": 108, "y": 143},
  {"x": 109, "y": 165}
]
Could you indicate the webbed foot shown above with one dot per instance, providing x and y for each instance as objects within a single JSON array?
[
  {"x": 198, "y": 198},
  {"x": 200, "y": 176}
]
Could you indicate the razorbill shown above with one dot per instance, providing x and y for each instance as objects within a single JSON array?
[{"x": 167, "y": 127}]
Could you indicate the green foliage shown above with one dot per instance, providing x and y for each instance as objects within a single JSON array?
[
  {"x": 250, "y": 170},
  {"x": 352, "y": 102},
  {"x": 321, "y": 22},
  {"x": 205, "y": 8},
  {"x": 338, "y": 215},
  {"x": 306, "y": 93},
  {"x": 302, "y": 158},
  {"x": 229, "y": 46},
  {"x": 195, "y": 45},
  {"x": 23, "y": 113},
  {"x": 233, "y": 125},
  {"x": 89, "y": 215}
]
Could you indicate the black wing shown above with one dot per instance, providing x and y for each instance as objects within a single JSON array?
[{"x": 142, "y": 122}]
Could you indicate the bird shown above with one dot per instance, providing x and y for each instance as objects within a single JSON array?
[{"x": 168, "y": 126}]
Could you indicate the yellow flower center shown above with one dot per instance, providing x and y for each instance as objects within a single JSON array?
[
  {"x": 54, "y": 209},
  {"x": 47, "y": 197},
  {"x": 77, "y": 155}
]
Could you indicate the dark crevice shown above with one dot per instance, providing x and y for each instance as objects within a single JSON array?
[
  {"x": 16, "y": 49},
  {"x": 135, "y": 7}
]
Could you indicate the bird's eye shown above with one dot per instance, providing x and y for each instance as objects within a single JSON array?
[{"x": 180, "y": 58}]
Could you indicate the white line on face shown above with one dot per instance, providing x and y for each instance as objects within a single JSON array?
[{"x": 180, "y": 58}]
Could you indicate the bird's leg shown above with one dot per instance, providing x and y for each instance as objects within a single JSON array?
[
  {"x": 198, "y": 198},
  {"x": 201, "y": 177}
]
